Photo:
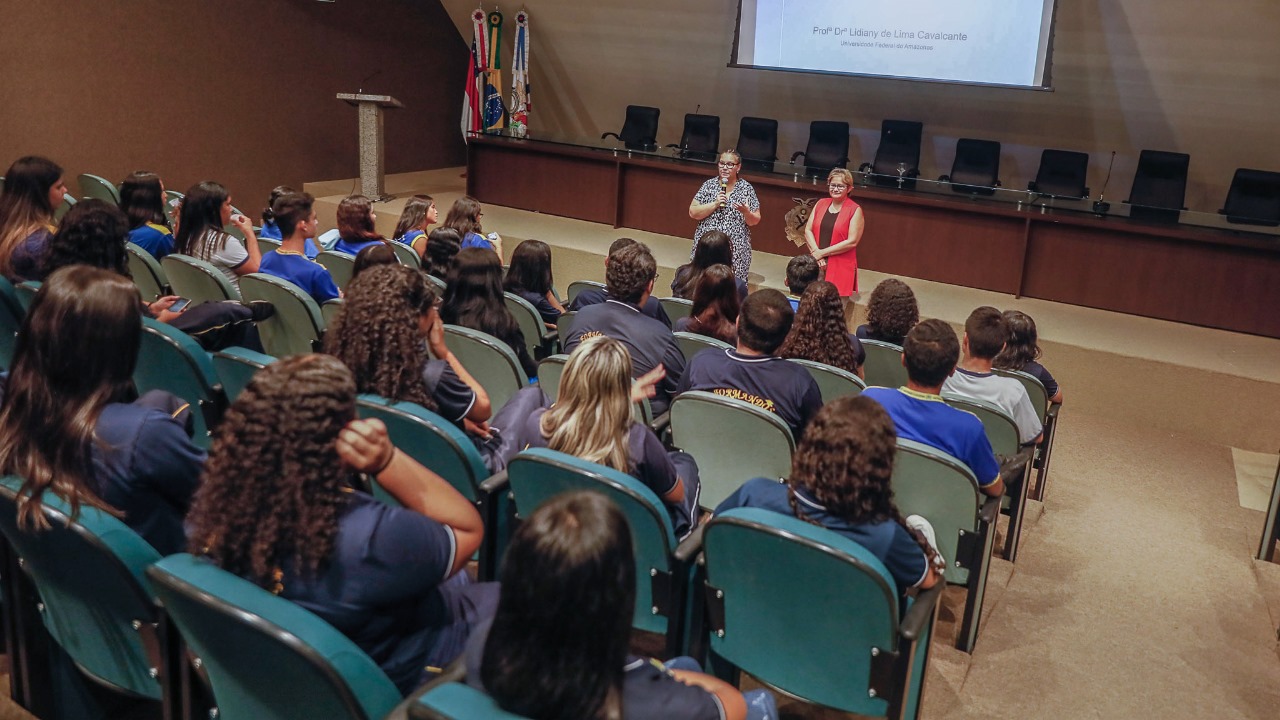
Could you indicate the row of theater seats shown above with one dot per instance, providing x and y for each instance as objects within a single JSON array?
[{"x": 1157, "y": 193}]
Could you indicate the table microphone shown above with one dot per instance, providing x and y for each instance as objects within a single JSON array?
[{"x": 1099, "y": 206}]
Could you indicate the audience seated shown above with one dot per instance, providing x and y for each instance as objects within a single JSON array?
[
  {"x": 277, "y": 508},
  {"x": 69, "y": 425},
  {"x": 464, "y": 218},
  {"x": 355, "y": 225},
  {"x": 206, "y": 210},
  {"x": 558, "y": 645},
  {"x": 716, "y": 303},
  {"x": 270, "y": 231},
  {"x": 296, "y": 220},
  {"x": 443, "y": 245},
  {"x": 94, "y": 233},
  {"x": 379, "y": 336},
  {"x": 530, "y": 277},
  {"x": 930, "y": 355},
  {"x": 630, "y": 274},
  {"x": 891, "y": 313},
  {"x": 713, "y": 248},
  {"x": 142, "y": 200},
  {"x": 372, "y": 256},
  {"x": 753, "y": 372},
  {"x": 801, "y": 271},
  {"x": 592, "y": 419},
  {"x": 840, "y": 480},
  {"x": 419, "y": 214},
  {"x": 33, "y": 190},
  {"x": 820, "y": 333},
  {"x": 985, "y": 333},
  {"x": 1022, "y": 352},
  {"x": 594, "y": 296},
  {"x": 473, "y": 298}
]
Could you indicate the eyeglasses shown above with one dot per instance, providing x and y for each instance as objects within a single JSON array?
[
  {"x": 837, "y": 185},
  {"x": 727, "y": 164}
]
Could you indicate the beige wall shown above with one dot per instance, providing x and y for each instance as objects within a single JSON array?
[
  {"x": 1180, "y": 75},
  {"x": 239, "y": 91}
]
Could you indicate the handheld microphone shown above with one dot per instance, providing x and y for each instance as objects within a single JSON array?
[
  {"x": 1099, "y": 206},
  {"x": 724, "y": 189}
]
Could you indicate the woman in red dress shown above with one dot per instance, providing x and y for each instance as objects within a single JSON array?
[{"x": 834, "y": 231}]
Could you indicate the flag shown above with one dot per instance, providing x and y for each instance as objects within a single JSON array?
[
  {"x": 495, "y": 113},
  {"x": 471, "y": 117},
  {"x": 521, "y": 103}
]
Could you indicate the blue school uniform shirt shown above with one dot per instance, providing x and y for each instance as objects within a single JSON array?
[
  {"x": 145, "y": 466},
  {"x": 595, "y": 296},
  {"x": 476, "y": 240},
  {"x": 777, "y": 385},
  {"x": 545, "y": 309},
  {"x": 381, "y": 585},
  {"x": 154, "y": 238},
  {"x": 927, "y": 419},
  {"x": 649, "y": 690},
  {"x": 454, "y": 398},
  {"x": 271, "y": 231},
  {"x": 353, "y": 248},
  {"x": 26, "y": 261},
  {"x": 649, "y": 342},
  {"x": 887, "y": 540},
  {"x": 309, "y": 275}
]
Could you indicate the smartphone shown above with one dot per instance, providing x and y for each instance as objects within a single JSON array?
[{"x": 180, "y": 305}]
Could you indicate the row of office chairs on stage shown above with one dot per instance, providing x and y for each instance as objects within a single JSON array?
[{"x": 1157, "y": 193}]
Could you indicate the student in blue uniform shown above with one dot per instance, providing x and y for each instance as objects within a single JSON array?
[
  {"x": 355, "y": 225},
  {"x": 69, "y": 425},
  {"x": 529, "y": 276},
  {"x": 278, "y": 509},
  {"x": 558, "y": 644},
  {"x": 716, "y": 305},
  {"x": 419, "y": 214},
  {"x": 32, "y": 190},
  {"x": 840, "y": 480},
  {"x": 1022, "y": 352},
  {"x": 271, "y": 231},
  {"x": 297, "y": 221},
  {"x": 630, "y": 275},
  {"x": 592, "y": 419},
  {"x": 464, "y": 218},
  {"x": 802, "y": 270},
  {"x": 753, "y": 372},
  {"x": 595, "y": 296},
  {"x": 820, "y": 333},
  {"x": 713, "y": 248},
  {"x": 142, "y": 200},
  {"x": 473, "y": 298},
  {"x": 930, "y": 356}
]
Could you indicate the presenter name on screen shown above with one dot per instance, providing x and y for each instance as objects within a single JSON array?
[{"x": 842, "y": 31}]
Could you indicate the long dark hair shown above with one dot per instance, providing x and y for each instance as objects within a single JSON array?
[
  {"x": 376, "y": 333},
  {"x": 443, "y": 245},
  {"x": 415, "y": 211},
  {"x": 142, "y": 199},
  {"x": 24, "y": 202},
  {"x": 372, "y": 256},
  {"x": 473, "y": 295},
  {"x": 200, "y": 232},
  {"x": 75, "y": 354},
  {"x": 530, "y": 268},
  {"x": 1023, "y": 345},
  {"x": 355, "y": 220},
  {"x": 93, "y": 233},
  {"x": 715, "y": 304},
  {"x": 464, "y": 216},
  {"x": 819, "y": 332},
  {"x": 279, "y": 191},
  {"x": 559, "y": 640},
  {"x": 272, "y": 491},
  {"x": 713, "y": 248}
]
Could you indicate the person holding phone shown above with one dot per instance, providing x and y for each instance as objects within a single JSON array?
[{"x": 729, "y": 204}]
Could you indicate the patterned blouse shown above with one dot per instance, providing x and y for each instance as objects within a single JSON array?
[{"x": 729, "y": 221}]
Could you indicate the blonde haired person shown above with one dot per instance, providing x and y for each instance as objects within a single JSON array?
[
  {"x": 833, "y": 232},
  {"x": 592, "y": 420}
]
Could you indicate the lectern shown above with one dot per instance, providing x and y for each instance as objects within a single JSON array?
[{"x": 372, "y": 154}]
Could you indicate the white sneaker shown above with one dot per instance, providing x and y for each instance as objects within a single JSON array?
[{"x": 921, "y": 525}]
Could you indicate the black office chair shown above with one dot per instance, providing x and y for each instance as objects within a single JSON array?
[
  {"x": 701, "y": 137},
  {"x": 976, "y": 170},
  {"x": 639, "y": 130},
  {"x": 1254, "y": 198},
  {"x": 828, "y": 147},
  {"x": 1062, "y": 174},
  {"x": 899, "y": 146},
  {"x": 1159, "y": 186},
  {"x": 758, "y": 143}
]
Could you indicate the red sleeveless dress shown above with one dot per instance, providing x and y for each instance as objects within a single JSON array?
[{"x": 842, "y": 269}]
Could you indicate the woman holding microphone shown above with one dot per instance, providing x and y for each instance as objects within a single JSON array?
[
  {"x": 728, "y": 204},
  {"x": 834, "y": 231}
]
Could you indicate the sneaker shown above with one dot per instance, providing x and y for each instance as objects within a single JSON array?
[
  {"x": 260, "y": 310},
  {"x": 922, "y": 526}
]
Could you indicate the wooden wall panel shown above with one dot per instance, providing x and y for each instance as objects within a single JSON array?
[{"x": 521, "y": 177}]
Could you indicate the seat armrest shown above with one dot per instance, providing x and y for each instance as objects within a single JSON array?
[
  {"x": 660, "y": 423},
  {"x": 456, "y": 672},
  {"x": 690, "y": 547},
  {"x": 1014, "y": 466},
  {"x": 1052, "y": 412},
  {"x": 990, "y": 509},
  {"x": 920, "y": 613},
  {"x": 495, "y": 484}
]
